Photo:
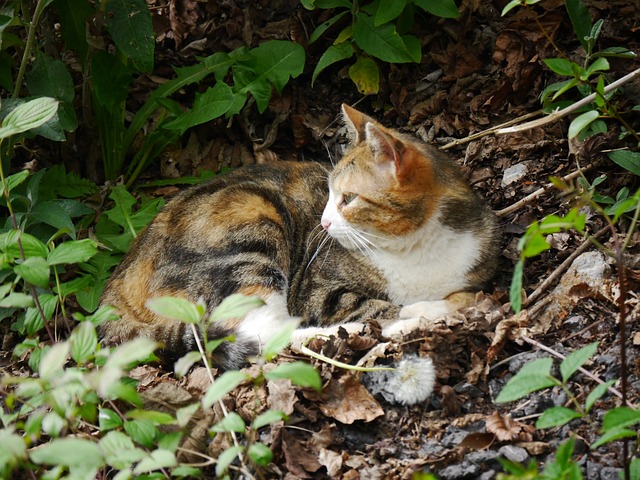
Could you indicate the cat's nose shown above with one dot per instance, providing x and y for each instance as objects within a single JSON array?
[{"x": 325, "y": 224}]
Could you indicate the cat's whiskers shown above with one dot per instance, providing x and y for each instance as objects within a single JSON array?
[
  {"x": 320, "y": 246},
  {"x": 363, "y": 244}
]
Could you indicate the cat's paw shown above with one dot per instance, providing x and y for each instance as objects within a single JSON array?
[{"x": 431, "y": 310}]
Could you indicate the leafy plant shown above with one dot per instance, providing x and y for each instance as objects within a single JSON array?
[
  {"x": 379, "y": 30},
  {"x": 536, "y": 376}
]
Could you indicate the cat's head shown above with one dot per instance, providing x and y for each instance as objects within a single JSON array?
[{"x": 383, "y": 189}]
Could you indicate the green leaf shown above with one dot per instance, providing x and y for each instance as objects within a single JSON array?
[
  {"x": 17, "y": 300},
  {"x": 383, "y": 42},
  {"x": 267, "y": 418},
  {"x": 108, "y": 420},
  {"x": 213, "y": 103},
  {"x": 184, "y": 414},
  {"x": 561, "y": 66},
  {"x": 581, "y": 122},
  {"x": 365, "y": 75},
  {"x": 279, "y": 341},
  {"x": 34, "y": 270},
  {"x": 133, "y": 351},
  {"x": 556, "y": 416},
  {"x": 515, "y": 291},
  {"x": 83, "y": 342},
  {"x": 73, "y": 18},
  {"x": 54, "y": 360},
  {"x": 14, "y": 180},
  {"x": 510, "y": 6},
  {"x": 54, "y": 214},
  {"x": 129, "y": 23},
  {"x": 620, "y": 417},
  {"x": 260, "y": 454},
  {"x": 300, "y": 373},
  {"x": 155, "y": 417},
  {"x": 223, "y": 385},
  {"x": 235, "y": 306},
  {"x": 580, "y": 19},
  {"x": 73, "y": 251},
  {"x": 324, "y": 26},
  {"x": 626, "y": 159},
  {"x": 159, "y": 459},
  {"x": 613, "y": 434},
  {"x": 28, "y": 115},
  {"x": 120, "y": 451},
  {"x": 31, "y": 246},
  {"x": 175, "y": 308},
  {"x": 12, "y": 447},
  {"x": 184, "y": 363},
  {"x": 232, "y": 422},
  {"x": 68, "y": 451},
  {"x": 599, "y": 65},
  {"x": 226, "y": 458},
  {"x": 534, "y": 376},
  {"x": 141, "y": 431},
  {"x": 442, "y": 8},
  {"x": 576, "y": 360},
  {"x": 596, "y": 394},
  {"x": 388, "y": 11},
  {"x": 333, "y": 54},
  {"x": 98, "y": 269}
]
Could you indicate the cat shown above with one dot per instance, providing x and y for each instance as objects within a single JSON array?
[{"x": 392, "y": 233}]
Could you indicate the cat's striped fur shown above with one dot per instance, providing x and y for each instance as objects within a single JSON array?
[{"x": 411, "y": 236}]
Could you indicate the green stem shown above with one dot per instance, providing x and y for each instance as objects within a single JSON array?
[
  {"x": 336, "y": 363},
  {"x": 31, "y": 37}
]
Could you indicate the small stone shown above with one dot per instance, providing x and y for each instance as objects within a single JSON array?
[
  {"x": 610, "y": 473},
  {"x": 464, "y": 470},
  {"x": 488, "y": 475},
  {"x": 515, "y": 454},
  {"x": 514, "y": 173},
  {"x": 593, "y": 471}
]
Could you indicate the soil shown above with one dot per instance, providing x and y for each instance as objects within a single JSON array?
[{"x": 477, "y": 72}]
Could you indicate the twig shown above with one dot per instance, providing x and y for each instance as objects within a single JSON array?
[
  {"x": 597, "y": 379},
  {"x": 557, "y": 115},
  {"x": 532, "y": 196},
  {"x": 336, "y": 363},
  {"x": 489, "y": 131},
  {"x": 561, "y": 268}
]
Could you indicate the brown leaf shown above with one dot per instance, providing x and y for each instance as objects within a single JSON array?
[
  {"x": 299, "y": 460},
  {"x": 347, "y": 400},
  {"x": 506, "y": 429},
  {"x": 282, "y": 395},
  {"x": 478, "y": 441},
  {"x": 450, "y": 401},
  {"x": 332, "y": 461},
  {"x": 534, "y": 448}
]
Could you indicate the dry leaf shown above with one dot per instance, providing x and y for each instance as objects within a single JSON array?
[
  {"x": 534, "y": 448},
  {"x": 299, "y": 460},
  {"x": 451, "y": 402},
  {"x": 507, "y": 429},
  {"x": 332, "y": 461},
  {"x": 478, "y": 441},
  {"x": 347, "y": 400},
  {"x": 282, "y": 395}
]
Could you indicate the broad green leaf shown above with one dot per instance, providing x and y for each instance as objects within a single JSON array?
[
  {"x": 614, "y": 434},
  {"x": 83, "y": 342},
  {"x": 279, "y": 341},
  {"x": 510, "y": 6},
  {"x": 596, "y": 394},
  {"x": 267, "y": 418},
  {"x": 535, "y": 245},
  {"x": 31, "y": 246},
  {"x": 561, "y": 66},
  {"x": 52, "y": 424},
  {"x": 580, "y": 19},
  {"x": 99, "y": 269},
  {"x": 515, "y": 290},
  {"x": 108, "y": 420},
  {"x": 54, "y": 214},
  {"x": 235, "y": 306},
  {"x": 226, "y": 458},
  {"x": 129, "y": 23},
  {"x": 581, "y": 122},
  {"x": 159, "y": 459},
  {"x": 599, "y": 65},
  {"x": 324, "y": 26},
  {"x": 57, "y": 182},
  {"x": 17, "y": 300},
  {"x": 442, "y": 8},
  {"x": 333, "y": 54},
  {"x": 534, "y": 376},
  {"x": 155, "y": 417},
  {"x": 54, "y": 360},
  {"x": 33, "y": 319},
  {"x": 34, "y": 270},
  {"x": 175, "y": 308},
  {"x": 12, "y": 447},
  {"x": 68, "y": 451},
  {"x": 133, "y": 351},
  {"x": 14, "y": 180},
  {"x": 300, "y": 373},
  {"x": 365, "y": 75},
  {"x": 73, "y": 18},
  {"x": 184, "y": 363},
  {"x": 73, "y": 251},
  {"x": 260, "y": 454},
  {"x": 626, "y": 159},
  {"x": 28, "y": 115},
  {"x": 232, "y": 422},
  {"x": 184, "y": 414},
  {"x": 576, "y": 360},
  {"x": 141, "y": 431},
  {"x": 213, "y": 103},
  {"x": 388, "y": 11},
  {"x": 383, "y": 42},
  {"x": 223, "y": 385},
  {"x": 620, "y": 417},
  {"x": 120, "y": 451},
  {"x": 556, "y": 416}
]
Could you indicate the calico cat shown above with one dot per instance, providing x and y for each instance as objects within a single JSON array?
[{"x": 394, "y": 235}]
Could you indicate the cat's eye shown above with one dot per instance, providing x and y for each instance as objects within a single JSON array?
[{"x": 347, "y": 198}]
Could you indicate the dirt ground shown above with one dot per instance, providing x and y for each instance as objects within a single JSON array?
[{"x": 477, "y": 72}]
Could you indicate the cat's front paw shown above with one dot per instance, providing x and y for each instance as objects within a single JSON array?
[{"x": 431, "y": 310}]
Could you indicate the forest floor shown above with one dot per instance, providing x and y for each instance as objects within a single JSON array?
[{"x": 477, "y": 72}]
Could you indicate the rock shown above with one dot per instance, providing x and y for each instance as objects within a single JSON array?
[
  {"x": 455, "y": 472},
  {"x": 593, "y": 471},
  {"x": 610, "y": 473},
  {"x": 515, "y": 454},
  {"x": 514, "y": 173}
]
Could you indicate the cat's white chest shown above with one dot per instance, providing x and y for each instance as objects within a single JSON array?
[{"x": 434, "y": 268}]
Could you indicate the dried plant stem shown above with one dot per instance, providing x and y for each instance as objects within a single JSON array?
[
  {"x": 532, "y": 196},
  {"x": 336, "y": 363},
  {"x": 557, "y": 115},
  {"x": 586, "y": 372}
]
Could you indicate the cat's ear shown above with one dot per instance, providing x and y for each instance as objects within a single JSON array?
[
  {"x": 396, "y": 157},
  {"x": 355, "y": 122}
]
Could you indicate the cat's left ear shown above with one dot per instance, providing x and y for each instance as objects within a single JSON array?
[
  {"x": 391, "y": 153},
  {"x": 355, "y": 121}
]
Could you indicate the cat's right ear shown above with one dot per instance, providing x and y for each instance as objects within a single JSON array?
[{"x": 355, "y": 122}]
